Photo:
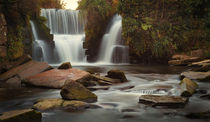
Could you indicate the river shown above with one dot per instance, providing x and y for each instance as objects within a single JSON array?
[{"x": 116, "y": 104}]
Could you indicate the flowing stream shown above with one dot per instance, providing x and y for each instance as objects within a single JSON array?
[{"x": 116, "y": 104}]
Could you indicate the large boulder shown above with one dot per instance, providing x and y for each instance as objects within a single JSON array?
[
  {"x": 66, "y": 65},
  {"x": 182, "y": 60},
  {"x": 202, "y": 66},
  {"x": 47, "y": 104},
  {"x": 25, "y": 70},
  {"x": 13, "y": 82},
  {"x": 26, "y": 115},
  {"x": 188, "y": 87},
  {"x": 75, "y": 91},
  {"x": 56, "y": 78},
  {"x": 165, "y": 101},
  {"x": 117, "y": 74},
  {"x": 200, "y": 76}
]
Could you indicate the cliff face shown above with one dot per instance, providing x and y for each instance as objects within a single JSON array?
[{"x": 3, "y": 37}]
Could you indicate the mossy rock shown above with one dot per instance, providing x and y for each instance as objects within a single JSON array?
[
  {"x": 188, "y": 87},
  {"x": 27, "y": 115},
  {"x": 66, "y": 65},
  {"x": 117, "y": 74},
  {"x": 75, "y": 91},
  {"x": 47, "y": 104}
]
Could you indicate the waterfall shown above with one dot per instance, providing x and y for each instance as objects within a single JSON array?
[
  {"x": 41, "y": 50},
  {"x": 112, "y": 49},
  {"x": 67, "y": 27},
  {"x": 62, "y": 21}
]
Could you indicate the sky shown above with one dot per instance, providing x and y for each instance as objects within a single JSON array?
[{"x": 71, "y": 4}]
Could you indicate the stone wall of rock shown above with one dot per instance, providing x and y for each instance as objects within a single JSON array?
[{"x": 3, "y": 37}]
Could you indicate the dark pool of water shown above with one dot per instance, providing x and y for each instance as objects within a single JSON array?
[{"x": 116, "y": 105}]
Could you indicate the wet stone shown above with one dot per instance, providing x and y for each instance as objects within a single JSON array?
[
  {"x": 26, "y": 115},
  {"x": 206, "y": 96},
  {"x": 47, "y": 104},
  {"x": 76, "y": 91},
  {"x": 164, "y": 101}
]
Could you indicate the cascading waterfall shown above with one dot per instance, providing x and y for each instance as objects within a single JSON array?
[
  {"x": 62, "y": 21},
  {"x": 112, "y": 49},
  {"x": 67, "y": 27},
  {"x": 40, "y": 48}
]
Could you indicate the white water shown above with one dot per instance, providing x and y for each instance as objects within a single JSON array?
[
  {"x": 39, "y": 46},
  {"x": 62, "y": 21},
  {"x": 70, "y": 48},
  {"x": 67, "y": 27},
  {"x": 112, "y": 49}
]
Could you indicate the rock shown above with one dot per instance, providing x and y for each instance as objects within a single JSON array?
[
  {"x": 14, "y": 82},
  {"x": 75, "y": 91},
  {"x": 47, "y": 104},
  {"x": 103, "y": 83},
  {"x": 182, "y": 60},
  {"x": 66, "y": 65},
  {"x": 126, "y": 88},
  {"x": 26, "y": 115},
  {"x": 167, "y": 101},
  {"x": 201, "y": 91},
  {"x": 197, "y": 53},
  {"x": 56, "y": 78},
  {"x": 180, "y": 57},
  {"x": 202, "y": 66},
  {"x": 87, "y": 83},
  {"x": 93, "y": 88},
  {"x": 206, "y": 96},
  {"x": 200, "y": 76},
  {"x": 199, "y": 115},
  {"x": 110, "y": 80},
  {"x": 23, "y": 59},
  {"x": 200, "y": 63},
  {"x": 26, "y": 70},
  {"x": 117, "y": 74},
  {"x": 5, "y": 66},
  {"x": 188, "y": 87}
]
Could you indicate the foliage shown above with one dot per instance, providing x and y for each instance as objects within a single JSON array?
[
  {"x": 156, "y": 29},
  {"x": 98, "y": 14},
  {"x": 15, "y": 45},
  {"x": 18, "y": 13}
]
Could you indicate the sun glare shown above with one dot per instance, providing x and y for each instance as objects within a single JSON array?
[{"x": 71, "y": 4}]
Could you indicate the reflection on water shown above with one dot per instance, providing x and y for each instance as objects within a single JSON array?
[{"x": 118, "y": 104}]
